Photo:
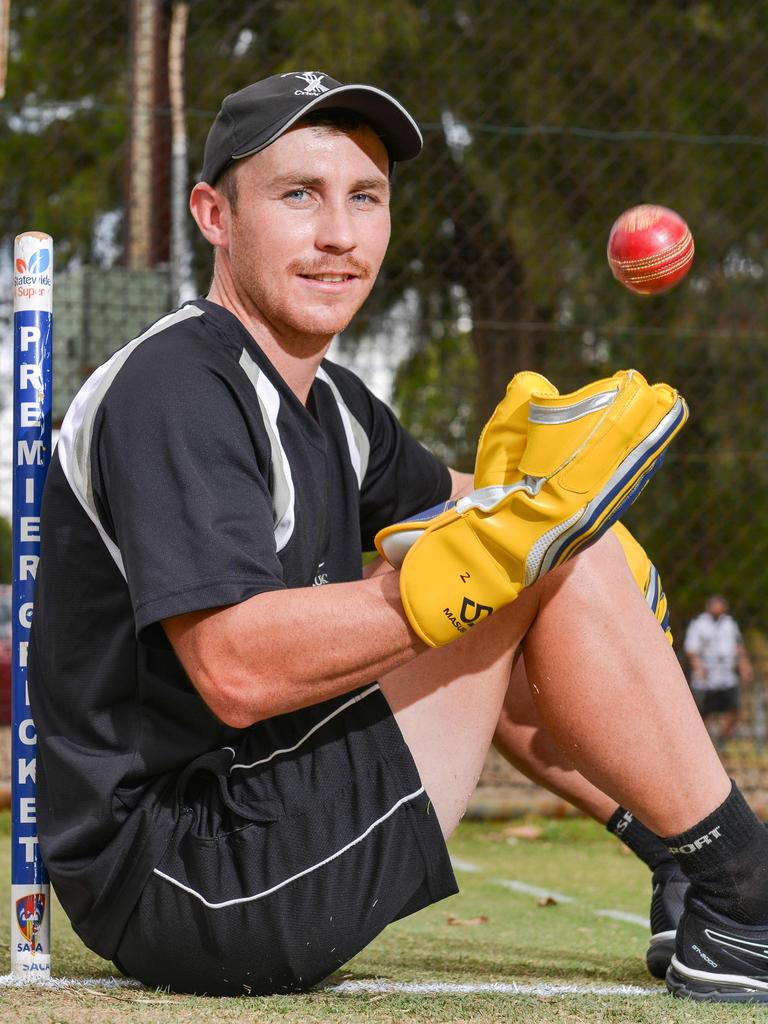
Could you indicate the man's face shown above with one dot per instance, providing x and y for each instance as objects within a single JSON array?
[
  {"x": 717, "y": 607},
  {"x": 310, "y": 229}
]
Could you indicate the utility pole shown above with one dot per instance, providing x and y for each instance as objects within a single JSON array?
[
  {"x": 182, "y": 277},
  {"x": 148, "y": 172}
]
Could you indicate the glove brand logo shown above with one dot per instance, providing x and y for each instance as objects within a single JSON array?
[
  {"x": 465, "y": 620},
  {"x": 314, "y": 83},
  {"x": 479, "y": 611},
  {"x": 464, "y": 576},
  {"x": 454, "y": 621}
]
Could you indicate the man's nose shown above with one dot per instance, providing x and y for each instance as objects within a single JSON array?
[{"x": 336, "y": 230}]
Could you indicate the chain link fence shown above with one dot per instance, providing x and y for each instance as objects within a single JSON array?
[{"x": 542, "y": 122}]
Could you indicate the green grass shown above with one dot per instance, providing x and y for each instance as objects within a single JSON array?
[{"x": 521, "y": 942}]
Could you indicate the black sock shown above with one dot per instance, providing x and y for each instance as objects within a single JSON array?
[
  {"x": 641, "y": 841},
  {"x": 725, "y": 857}
]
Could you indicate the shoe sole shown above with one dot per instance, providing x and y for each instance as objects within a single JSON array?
[
  {"x": 704, "y": 987},
  {"x": 599, "y": 514},
  {"x": 659, "y": 955}
]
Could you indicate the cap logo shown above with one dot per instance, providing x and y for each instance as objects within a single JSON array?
[{"x": 313, "y": 83}]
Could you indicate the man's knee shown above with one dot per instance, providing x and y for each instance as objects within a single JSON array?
[{"x": 603, "y": 560}]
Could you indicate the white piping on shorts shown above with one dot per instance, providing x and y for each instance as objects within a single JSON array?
[
  {"x": 305, "y": 737},
  {"x": 293, "y": 878}
]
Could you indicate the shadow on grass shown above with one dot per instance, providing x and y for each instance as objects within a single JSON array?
[{"x": 551, "y": 965}]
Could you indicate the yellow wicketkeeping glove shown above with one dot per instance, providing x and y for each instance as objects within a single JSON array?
[
  {"x": 499, "y": 450},
  {"x": 586, "y": 458}
]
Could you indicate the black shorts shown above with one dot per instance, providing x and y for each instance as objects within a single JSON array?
[
  {"x": 711, "y": 702},
  {"x": 292, "y": 852}
]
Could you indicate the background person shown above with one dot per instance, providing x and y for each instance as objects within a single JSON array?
[{"x": 719, "y": 663}]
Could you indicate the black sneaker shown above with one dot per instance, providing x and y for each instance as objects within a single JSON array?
[
  {"x": 718, "y": 960},
  {"x": 667, "y": 900}
]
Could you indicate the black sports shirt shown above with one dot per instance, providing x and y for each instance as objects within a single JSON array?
[{"x": 187, "y": 476}]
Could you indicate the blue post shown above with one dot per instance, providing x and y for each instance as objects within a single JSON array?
[{"x": 32, "y": 372}]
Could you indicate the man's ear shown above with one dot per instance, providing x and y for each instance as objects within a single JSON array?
[{"x": 211, "y": 212}]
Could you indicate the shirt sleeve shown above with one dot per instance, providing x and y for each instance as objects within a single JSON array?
[
  {"x": 181, "y": 488},
  {"x": 402, "y": 478}
]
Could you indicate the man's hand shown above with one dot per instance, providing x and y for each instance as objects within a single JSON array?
[
  {"x": 586, "y": 457},
  {"x": 499, "y": 451}
]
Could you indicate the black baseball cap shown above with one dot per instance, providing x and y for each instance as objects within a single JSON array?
[{"x": 254, "y": 117}]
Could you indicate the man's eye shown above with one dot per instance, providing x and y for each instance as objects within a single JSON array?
[
  {"x": 297, "y": 194},
  {"x": 363, "y": 198}
]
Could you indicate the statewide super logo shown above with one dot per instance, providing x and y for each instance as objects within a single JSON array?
[
  {"x": 37, "y": 263},
  {"x": 30, "y": 911},
  {"x": 32, "y": 278}
]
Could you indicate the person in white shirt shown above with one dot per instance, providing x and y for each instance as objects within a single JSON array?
[{"x": 719, "y": 664}]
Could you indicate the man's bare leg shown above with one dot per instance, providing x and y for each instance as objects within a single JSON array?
[
  {"x": 447, "y": 705},
  {"x": 605, "y": 683},
  {"x": 522, "y": 739},
  {"x": 614, "y": 698}
]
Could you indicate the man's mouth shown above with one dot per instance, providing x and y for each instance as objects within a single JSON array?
[{"x": 331, "y": 278}]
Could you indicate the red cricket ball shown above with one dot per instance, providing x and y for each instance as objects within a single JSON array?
[{"x": 650, "y": 249}]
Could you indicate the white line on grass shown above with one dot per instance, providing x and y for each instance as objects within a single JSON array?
[
  {"x": 533, "y": 890},
  {"x": 463, "y": 865},
  {"x": 11, "y": 981},
  {"x": 414, "y": 988},
  {"x": 489, "y": 987},
  {"x": 623, "y": 915}
]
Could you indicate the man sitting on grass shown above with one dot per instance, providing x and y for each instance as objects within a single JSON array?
[{"x": 249, "y": 756}]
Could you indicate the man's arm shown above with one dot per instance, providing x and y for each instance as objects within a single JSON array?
[
  {"x": 461, "y": 483},
  {"x": 744, "y": 665},
  {"x": 287, "y": 649},
  {"x": 692, "y": 648},
  {"x": 697, "y": 666}
]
